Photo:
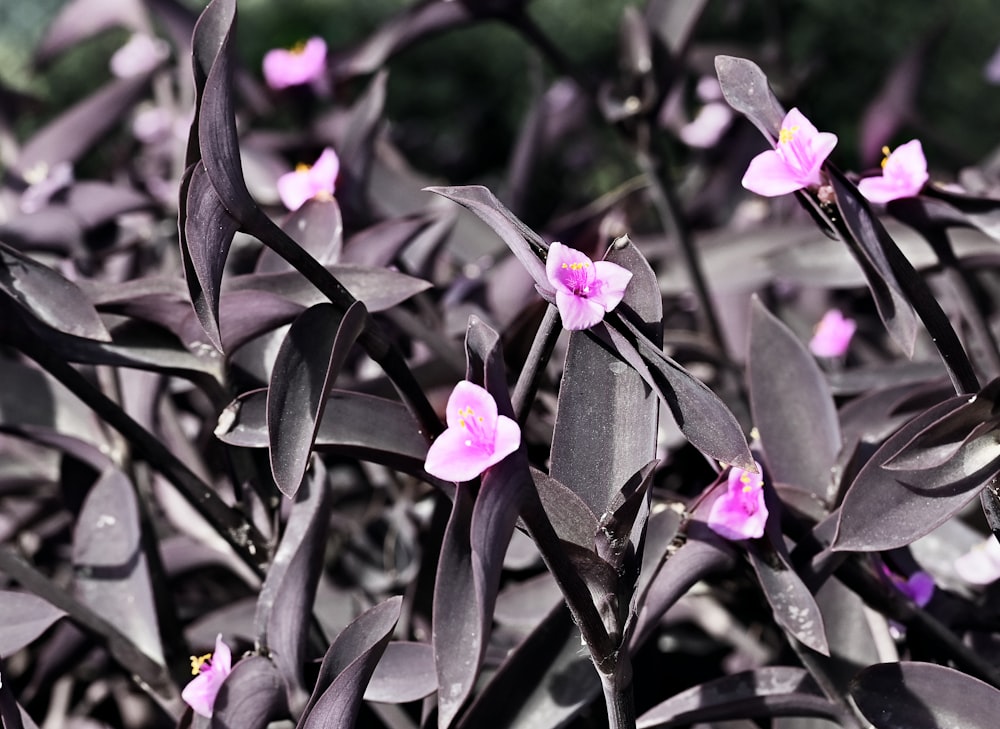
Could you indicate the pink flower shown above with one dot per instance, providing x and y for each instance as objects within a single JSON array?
[
  {"x": 304, "y": 63},
  {"x": 904, "y": 173},
  {"x": 796, "y": 161},
  {"x": 305, "y": 182},
  {"x": 833, "y": 335},
  {"x": 981, "y": 564},
  {"x": 585, "y": 289},
  {"x": 477, "y": 436},
  {"x": 740, "y": 512},
  {"x": 209, "y": 672}
]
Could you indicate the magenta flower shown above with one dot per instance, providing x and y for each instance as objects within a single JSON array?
[
  {"x": 981, "y": 564},
  {"x": 740, "y": 513},
  {"x": 585, "y": 289},
  {"x": 904, "y": 173},
  {"x": 306, "y": 182},
  {"x": 795, "y": 163},
  {"x": 919, "y": 587},
  {"x": 304, "y": 63},
  {"x": 209, "y": 670},
  {"x": 477, "y": 436},
  {"x": 833, "y": 335}
]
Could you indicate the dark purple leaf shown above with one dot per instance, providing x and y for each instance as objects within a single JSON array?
[
  {"x": 358, "y": 147},
  {"x": 72, "y": 133},
  {"x": 217, "y": 138},
  {"x": 243, "y": 316},
  {"x": 377, "y": 288},
  {"x": 353, "y": 425},
  {"x": 405, "y": 673},
  {"x": 206, "y": 232},
  {"x": 317, "y": 227},
  {"x": 78, "y": 20},
  {"x": 379, "y": 245},
  {"x": 791, "y": 602},
  {"x": 522, "y": 241},
  {"x": 347, "y": 668},
  {"x": 605, "y": 428},
  {"x": 746, "y": 89},
  {"x": 889, "y": 508},
  {"x": 25, "y": 617},
  {"x": 286, "y": 597},
  {"x": 674, "y": 21},
  {"x": 111, "y": 574},
  {"x": 572, "y": 519},
  {"x": 764, "y": 692},
  {"x": 792, "y": 407},
  {"x": 48, "y": 296},
  {"x": 95, "y": 203},
  {"x": 307, "y": 365},
  {"x": 250, "y": 697},
  {"x": 911, "y": 695},
  {"x": 53, "y": 228},
  {"x": 523, "y": 605},
  {"x": 950, "y": 208}
]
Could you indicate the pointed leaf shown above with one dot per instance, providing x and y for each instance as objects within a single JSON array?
[
  {"x": 572, "y": 519},
  {"x": 308, "y": 362},
  {"x": 792, "y": 407},
  {"x": 250, "y": 697},
  {"x": 111, "y": 575},
  {"x": 522, "y": 241},
  {"x": 96, "y": 203},
  {"x": 79, "y": 20},
  {"x": 911, "y": 695},
  {"x": 206, "y": 232},
  {"x": 379, "y": 245},
  {"x": 317, "y": 227},
  {"x": 285, "y": 604},
  {"x": 358, "y": 148},
  {"x": 48, "y": 296},
  {"x": 25, "y": 618},
  {"x": 353, "y": 425},
  {"x": 405, "y": 673},
  {"x": 746, "y": 89},
  {"x": 764, "y": 692},
  {"x": 348, "y": 666}
]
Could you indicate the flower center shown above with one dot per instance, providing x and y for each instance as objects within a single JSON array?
[
  {"x": 787, "y": 134},
  {"x": 198, "y": 663},
  {"x": 473, "y": 425},
  {"x": 885, "y": 151},
  {"x": 302, "y": 167},
  {"x": 298, "y": 49},
  {"x": 577, "y": 278}
]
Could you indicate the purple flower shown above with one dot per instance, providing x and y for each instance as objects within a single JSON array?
[
  {"x": 795, "y": 163},
  {"x": 904, "y": 173},
  {"x": 981, "y": 564},
  {"x": 833, "y": 335},
  {"x": 477, "y": 436},
  {"x": 302, "y": 64},
  {"x": 209, "y": 670},
  {"x": 585, "y": 289},
  {"x": 919, "y": 587},
  {"x": 740, "y": 513},
  {"x": 306, "y": 182}
]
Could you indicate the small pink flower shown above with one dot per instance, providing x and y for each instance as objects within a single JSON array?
[
  {"x": 740, "y": 513},
  {"x": 305, "y": 182},
  {"x": 585, "y": 289},
  {"x": 833, "y": 335},
  {"x": 302, "y": 64},
  {"x": 904, "y": 173},
  {"x": 981, "y": 564},
  {"x": 795, "y": 163},
  {"x": 477, "y": 436},
  {"x": 209, "y": 672}
]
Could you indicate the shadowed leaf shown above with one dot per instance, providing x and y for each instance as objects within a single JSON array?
[
  {"x": 405, "y": 673},
  {"x": 78, "y": 20},
  {"x": 317, "y": 227},
  {"x": 746, "y": 89},
  {"x": 250, "y": 697},
  {"x": 911, "y": 695},
  {"x": 308, "y": 362},
  {"x": 25, "y": 617}
]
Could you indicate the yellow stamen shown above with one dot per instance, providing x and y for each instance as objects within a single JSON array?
[
  {"x": 198, "y": 661},
  {"x": 786, "y": 134},
  {"x": 747, "y": 489},
  {"x": 298, "y": 49},
  {"x": 302, "y": 167},
  {"x": 576, "y": 266},
  {"x": 885, "y": 151}
]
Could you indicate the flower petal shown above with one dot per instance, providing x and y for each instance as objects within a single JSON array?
[
  {"x": 222, "y": 658},
  {"x": 728, "y": 518},
  {"x": 294, "y": 188},
  {"x": 880, "y": 189},
  {"x": 770, "y": 176},
  {"x": 470, "y": 395},
  {"x": 820, "y": 147},
  {"x": 559, "y": 259},
  {"x": 324, "y": 172},
  {"x": 614, "y": 279},
  {"x": 578, "y": 313},
  {"x": 200, "y": 694},
  {"x": 796, "y": 120},
  {"x": 508, "y": 438},
  {"x": 451, "y": 459}
]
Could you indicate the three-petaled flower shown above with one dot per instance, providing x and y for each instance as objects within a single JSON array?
[
  {"x": 795, "y": 163},
  {"x": 904, "y": 173},
  {"x": 833, "y": 335},
  {"x": 477, "y": 436},
  {"x": 304, "y": 63},
  {"x": 740, "y": 512},
  {"x": 307, "y": 181},
  {"x": 585, "y": 289},
  {"x": 209, "y": 670}
]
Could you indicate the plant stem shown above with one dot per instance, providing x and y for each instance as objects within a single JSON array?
[
  {"x": 530, "y": 377},
  {"x": 619, "y": 699}
]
